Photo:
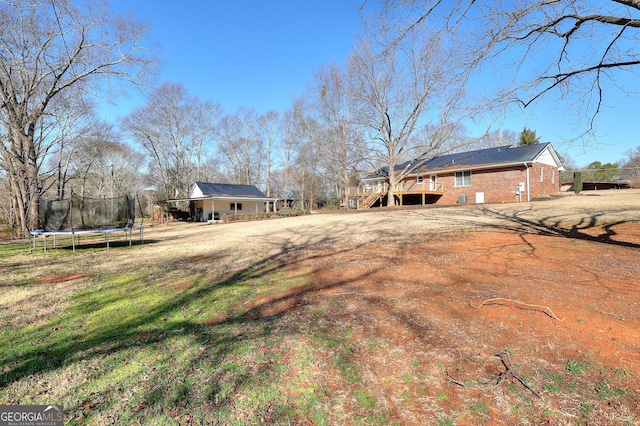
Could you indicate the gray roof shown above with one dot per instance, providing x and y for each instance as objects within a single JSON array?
[
  {"x": 227, "y": 189},
  {"x": 502, "y": 155},
  {"x": 499, "y": 155}
]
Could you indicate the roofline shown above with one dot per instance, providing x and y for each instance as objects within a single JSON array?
[
  {"x": 461, "y": 168},
  {"x": 546, "y": 145},
  {"x": 478, "y": 167},
  {"x": 215, "y": 197}
]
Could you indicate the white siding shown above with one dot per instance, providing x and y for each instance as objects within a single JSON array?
[
  {"x": 545, "y": 157},
  {"x": 196, "y": 192},
  {"x": 226, "y": 207}
]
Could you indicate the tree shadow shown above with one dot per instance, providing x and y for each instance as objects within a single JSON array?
[
  {"x": 227, "y": 333},
  {"x": 552, "y": 226},
  {"x": 67, "y": 339}
]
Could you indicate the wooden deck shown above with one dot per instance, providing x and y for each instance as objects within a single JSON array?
[{"x": 367, "y": 196}]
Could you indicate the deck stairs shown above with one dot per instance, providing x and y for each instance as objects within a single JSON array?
[{"x": 369, "y": 200}]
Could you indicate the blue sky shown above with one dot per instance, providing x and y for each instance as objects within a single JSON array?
[
  {"x": 247, "y": 53},
  {"x": 262, "y": 54}
]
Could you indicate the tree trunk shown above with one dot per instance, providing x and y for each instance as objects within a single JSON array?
[
  {"x": 391, "y": 199},
  {"x": 20, "y": 160}
]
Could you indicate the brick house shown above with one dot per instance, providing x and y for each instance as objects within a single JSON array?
[{"x": 492, "y": 175}]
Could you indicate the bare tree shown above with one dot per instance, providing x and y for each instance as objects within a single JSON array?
[
  {"x": 570, "y": 167},
  {"x": 293, "y": 139},
  {"x": 401, "y": 84},
  {"x": 8, "y": 219},
  {"x": 46, "y": 48},
  {"x": 269, "y": 127},
  {"x": 307, "y": 171},
  {"x": 340, "y": 141},
  {"x": 496, "y": 138},
  {"x": 71, "y": 119},
  {"x": 104, "y": 166},
  {"x": 572, "y": 50},
  {"x": 241, "y": 146},
  {"x": 177, "y": 130},
  {"x": 630, "y": 166}
]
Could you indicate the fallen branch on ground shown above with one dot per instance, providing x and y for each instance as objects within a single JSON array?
[
  {"x": 509, "y": 372},
  {"x": 499, "y": 377},
  {"x": 518, "y": 304},
  {"x": 452, "y": 380}
]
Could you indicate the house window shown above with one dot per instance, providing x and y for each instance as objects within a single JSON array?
[
  {"x": 236, "y": 206},
  {"x": 419, "y": 179},
  {"x": 541, "y": 174},
  {"x": 553, "y": 175},
  {"x": 463, "y": 178}
]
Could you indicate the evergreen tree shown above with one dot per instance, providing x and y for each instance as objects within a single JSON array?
[
  {"x": 607, "y": 172},
  {"x": 577, "y": 182},
  {"x": 528, "y": 137}
]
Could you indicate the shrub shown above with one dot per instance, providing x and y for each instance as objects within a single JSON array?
[
  {"x": 246, "y": 217},
  {"x": 577, "y": 182}
]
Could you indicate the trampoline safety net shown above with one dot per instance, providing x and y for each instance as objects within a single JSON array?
[{"x": 82, "y": 214}]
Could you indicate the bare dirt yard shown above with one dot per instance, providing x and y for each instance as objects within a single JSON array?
[{"x": 476, "y": 314}]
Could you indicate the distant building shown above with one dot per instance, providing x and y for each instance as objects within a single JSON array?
[
  {"x": 593, "y": 185},
  {"x": 209, "y": 201}
]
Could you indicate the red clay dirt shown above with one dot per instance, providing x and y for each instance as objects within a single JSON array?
[
  {"x": 53, "y": 279},
  {"x": 559, "y": 300}
]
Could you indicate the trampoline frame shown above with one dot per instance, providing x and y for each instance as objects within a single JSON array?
[{"x": 33, "y": 238}]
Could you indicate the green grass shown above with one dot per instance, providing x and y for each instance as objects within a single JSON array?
[
  {"x": 480, "y": 407},
  {"x": 364, "y": 399},
  {"x": 12, "y": 248},
  {"x": 134, "y": 346},
  {"x": 160, "y": 344},
  {"x": 576, "y": 367}
]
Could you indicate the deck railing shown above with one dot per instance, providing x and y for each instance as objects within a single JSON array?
[
  {"x": 364, "y": 196},
  {"x": 368, "y": 189},
  {"x": 405, "y": 186},
  {"x": 413, "y": 186}
]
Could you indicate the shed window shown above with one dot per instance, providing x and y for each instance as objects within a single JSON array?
[
  {"x": 463, "y": 178},
  {"x": 236, "y": 206}
]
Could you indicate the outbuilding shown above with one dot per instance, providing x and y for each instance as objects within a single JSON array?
[{"x": 209, "y": 201}]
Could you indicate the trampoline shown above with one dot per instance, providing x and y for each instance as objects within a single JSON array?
[{"x": 77, "y": 216}]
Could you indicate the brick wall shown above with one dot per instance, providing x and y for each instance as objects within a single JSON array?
[{"x": 499, "y": 185}]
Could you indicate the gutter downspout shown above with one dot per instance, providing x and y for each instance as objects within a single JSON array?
[{"x": 528, "y": 184}]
